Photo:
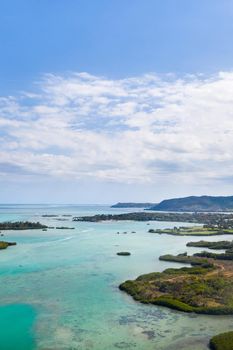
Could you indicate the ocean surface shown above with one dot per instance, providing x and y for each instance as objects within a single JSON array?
[{"x": 59, "y": 288}]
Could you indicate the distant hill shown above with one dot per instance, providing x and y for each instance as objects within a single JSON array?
[
  {"x": 133, "y": 205},
  {"x": 193, "y": 203}
]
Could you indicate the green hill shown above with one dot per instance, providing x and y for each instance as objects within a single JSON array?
[{"x": 193, "y": 203}]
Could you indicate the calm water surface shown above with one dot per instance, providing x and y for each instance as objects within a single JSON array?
[{"x": 59, "y": 288}]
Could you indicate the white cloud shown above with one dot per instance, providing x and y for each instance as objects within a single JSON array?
[{"x": 137, "y": 129}]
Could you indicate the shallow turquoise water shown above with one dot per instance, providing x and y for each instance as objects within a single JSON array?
[
  {"x": 16, "y": 327},
  {"x": 70, "y": 280}
]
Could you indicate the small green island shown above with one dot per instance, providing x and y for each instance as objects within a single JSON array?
[
  {"x": 64, "y": 228},
  {"x": 21, "y": 225},
  {"x": 5, "y": 245},
  {"x": 18, "y": 225},
  {"x": 123, "y": 253}
]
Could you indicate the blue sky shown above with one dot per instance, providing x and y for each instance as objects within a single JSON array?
[
  {"x": 104, "y": 100},
  {"x": 113, "y": 38}
]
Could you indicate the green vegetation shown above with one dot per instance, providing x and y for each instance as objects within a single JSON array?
[
  {"x": 4, "y": 245},
  {"x": 222, "y": 256},
  {"x": 220, "y": 222},
  {"x": 223, "y": 341},
  {"x": 174, "y": 304},
  {"x": 124, "y": 253},
  {"x": 204, "y": 288},
  {"x": 187, "y": 259},
  {"x": 146, "y": 216},
  {"x": 193, "y": 231},
  {"x": 21, "y": 225},
  {"x": 186, "y": 204},
  {"x": 211, "y": 245},
  {"x": 196, "y": 289},
  {"x": 227, "y": 245},
  {"x": 194, "y": 204}
]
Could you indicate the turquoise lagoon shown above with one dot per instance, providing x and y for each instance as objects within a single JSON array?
[
  {"x": 59, "y": 288},
  {"x": 16, "y": 322}
]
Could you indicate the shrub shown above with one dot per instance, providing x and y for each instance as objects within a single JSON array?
[
  {"x": 173, "y": 304},
  {"x": 223, "y": 341},
  {"x": 124, "y": 253}
]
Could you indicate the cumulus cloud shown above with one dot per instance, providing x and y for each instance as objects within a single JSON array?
[{"x": 139, "y": 129}]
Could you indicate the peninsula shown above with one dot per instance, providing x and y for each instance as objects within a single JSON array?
[{"x": 205, "y": 288}]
